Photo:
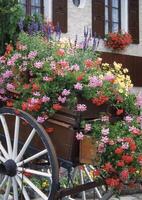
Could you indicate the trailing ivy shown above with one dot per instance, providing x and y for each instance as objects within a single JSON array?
[{"x": 10, "y": 14}]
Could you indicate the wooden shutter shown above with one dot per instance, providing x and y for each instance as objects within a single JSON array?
[
  {"x": 60, "y": 14},
  {"x": 98, "y": 17},
  {"x": 133, "y": 12}
]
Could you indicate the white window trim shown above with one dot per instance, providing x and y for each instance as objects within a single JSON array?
[
  {"x": 48, "y": 9},
  {"x": 124, "y": 15}
]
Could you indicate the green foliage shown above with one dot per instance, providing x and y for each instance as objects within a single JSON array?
[
  {"x": 36, "y": 43},
  {"x": 10, "y": 14}
]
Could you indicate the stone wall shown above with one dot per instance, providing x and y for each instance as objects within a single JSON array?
[{"x": 78, "y": 18}]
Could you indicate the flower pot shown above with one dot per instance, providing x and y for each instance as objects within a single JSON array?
[{"x": 88, "y": 150}]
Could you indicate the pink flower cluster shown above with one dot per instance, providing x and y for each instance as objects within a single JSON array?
[
  {"x": 32, "y": 54},
  {"x": 81, "y": 107},
  {"x": 94, "y": 81},
  {"x": 38, "y": 65},
  {"x": 13, "y": 59}
]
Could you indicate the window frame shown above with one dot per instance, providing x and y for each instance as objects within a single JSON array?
[
  {"x": 109, "y": 20},
  {"x": 28, "y": 7}
]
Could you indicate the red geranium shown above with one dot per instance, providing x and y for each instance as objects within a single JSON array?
[{"x": 118, "y": 40}]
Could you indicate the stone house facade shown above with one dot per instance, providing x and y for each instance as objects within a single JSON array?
[{"x": 101, "y": 17}]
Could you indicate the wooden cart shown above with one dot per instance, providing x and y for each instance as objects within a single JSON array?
[{"x": 31, "y": 158}]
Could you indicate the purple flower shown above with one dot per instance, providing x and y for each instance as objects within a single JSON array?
[
  {"x": 81, "y": 107},
  {"x": 78, "y": 86}
]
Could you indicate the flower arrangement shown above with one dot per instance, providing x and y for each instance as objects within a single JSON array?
[
  {"x": 51, "y": 74},
  {"x": 118, "y": 41},
  {"x": 118, "y": 149}
]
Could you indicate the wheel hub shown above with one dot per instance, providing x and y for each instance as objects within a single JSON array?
[{"x": 10, "y": 168}]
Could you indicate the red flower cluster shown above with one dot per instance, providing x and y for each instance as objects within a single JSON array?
[
  {"x": 118, "y": 40},
  {"x": 100, "y": 100}
]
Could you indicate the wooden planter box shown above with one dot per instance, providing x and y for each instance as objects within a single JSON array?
[
  {"x": 88, "y": 150},
  {"x": 65, "y": 123}
]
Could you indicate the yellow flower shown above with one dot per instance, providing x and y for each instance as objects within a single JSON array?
[
  {"x": 120, "y": 90},
  {"x": 117, "y": 66},
  {"x": 125, "y": 70},
  {"x": 45, "y": 184}
]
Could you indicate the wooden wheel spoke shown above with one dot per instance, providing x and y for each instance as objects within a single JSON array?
[
  {"x": 20, "y": 183},
  {"x": 26, "y": 144},
  {"x": 4, "y": 152},
  {"x": 4, "y": 181},
  {"x": 7, "y": 135},
  {"x": 31, "y": 171},
  {"x": 7, "y": 191},
  {"x": 16, "y": 137},
  {"x": 15, "y": 189},
  {"x": 2, "y": 159},
  {"x": 37, "y": 155},
  {"x": 35, "y": 188}
]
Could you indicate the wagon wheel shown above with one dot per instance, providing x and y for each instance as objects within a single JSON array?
[
  {"x": 82, "y": 174},
  {"x": 28, "y": 164}
]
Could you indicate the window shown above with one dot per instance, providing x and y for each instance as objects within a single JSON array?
[
  {"x": 32, "y": 6},
  {"x": 112, "y": 16}
]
